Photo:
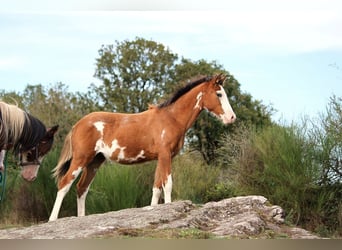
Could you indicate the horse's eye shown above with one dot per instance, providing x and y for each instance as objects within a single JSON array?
[{"x": 219, "y": 95}]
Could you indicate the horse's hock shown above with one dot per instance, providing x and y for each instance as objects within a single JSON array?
[{"x": 240, "y": 217}]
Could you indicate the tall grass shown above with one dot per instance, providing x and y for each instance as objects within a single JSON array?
[
  {"x": 193, "y": 178},
  {"x": 117, "y": 186},
  {"x": 280, "y": 163},
  {"x": 114, "y": 187}
]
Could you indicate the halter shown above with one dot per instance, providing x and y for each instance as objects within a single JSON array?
[
  {"x": 36, "y": 160},
  {"x": 3, "y": 180}
]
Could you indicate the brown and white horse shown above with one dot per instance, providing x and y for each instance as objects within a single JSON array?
[
  {"x": 157, "y": 133},
  {"x": 27, "y": 136}
]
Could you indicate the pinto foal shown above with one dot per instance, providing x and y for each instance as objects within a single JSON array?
[{"x": 157, "y": 133}]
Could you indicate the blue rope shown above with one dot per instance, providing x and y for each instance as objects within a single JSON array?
[{"x": 3, "y": 179}]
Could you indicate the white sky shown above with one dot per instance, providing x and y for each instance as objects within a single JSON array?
[{"x": 288, "y": 53}]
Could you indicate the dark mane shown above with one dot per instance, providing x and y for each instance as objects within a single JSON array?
[
  {"x": 182, "y": 91},
  {"x": 33, "y": 131}
]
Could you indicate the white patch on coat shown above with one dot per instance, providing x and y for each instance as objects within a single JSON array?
[
  {"x": 139, "y": 156},
  {"x": 99, "y": 126},
  {"x": 107, "y": 151},
  {"x": 76, "y": 172},
  {"x": 198, "y": 98},
  {"x": 115, "y": 146},
  {"x": 162, "y": 134}
]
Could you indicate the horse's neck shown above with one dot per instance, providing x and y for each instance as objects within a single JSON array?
[{"x": 187, "y": 108}]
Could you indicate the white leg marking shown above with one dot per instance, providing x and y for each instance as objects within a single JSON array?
[
  {"x": 81, "y": 203},
  {"x": 155, "y": 196},
  {"x": 58, "y": 202},
  {"x": 61, "y": 194},
  {"x": 168, "y": 189}
]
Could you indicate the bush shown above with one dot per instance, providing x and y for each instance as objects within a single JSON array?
[{"x": 280, "y": 163}]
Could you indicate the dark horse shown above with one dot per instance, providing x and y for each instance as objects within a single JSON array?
[
  {"x": 27, "y": 136},
  {"x": 155, "y": 134}
]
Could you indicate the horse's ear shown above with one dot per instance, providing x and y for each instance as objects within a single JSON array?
[
  {"x": 50, "y": 132},
  {"x": 220, "y": 79}
]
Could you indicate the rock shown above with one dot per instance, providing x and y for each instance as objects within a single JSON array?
[{"x": 239, "y": 217}]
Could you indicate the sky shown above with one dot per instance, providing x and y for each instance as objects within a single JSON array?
[{"x": 287, "y": 54}]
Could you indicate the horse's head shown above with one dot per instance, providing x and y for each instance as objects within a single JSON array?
[
  {"x": 216, "y": 101},
  {"x": 31, "y": 159}
]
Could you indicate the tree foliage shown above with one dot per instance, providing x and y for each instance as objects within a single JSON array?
[{"x": 134, "y": 74}]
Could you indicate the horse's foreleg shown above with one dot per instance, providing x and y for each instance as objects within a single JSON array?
[
  {"x": 85, "y": 181},
  {"x": 162, "y": 179},
  {"x": 167, "y": 187}
]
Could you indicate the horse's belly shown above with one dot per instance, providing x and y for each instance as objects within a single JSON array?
[{"x": 122, "y": 154}]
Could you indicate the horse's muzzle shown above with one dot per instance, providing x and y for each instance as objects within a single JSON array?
[
  {"x": 29, "y": 172},
  {"x": 228, "y": 119}
]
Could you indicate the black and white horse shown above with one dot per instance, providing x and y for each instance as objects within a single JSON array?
[{"x": 27, "y": 136}]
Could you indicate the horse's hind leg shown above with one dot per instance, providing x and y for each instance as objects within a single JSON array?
[
  {"x": 63, "y": 189},
  {"x": 65, "y": 183},
  {"x": 83, "y": 184}
]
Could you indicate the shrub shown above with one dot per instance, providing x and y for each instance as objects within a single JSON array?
[{"x": 281, "y": 163}]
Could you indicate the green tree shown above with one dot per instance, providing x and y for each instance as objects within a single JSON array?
[
  {"x": 54, "y": 104},
  {"x": 134, "y": 74}
]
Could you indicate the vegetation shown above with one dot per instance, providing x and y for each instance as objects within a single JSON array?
[{"x": 298, "y": 166}]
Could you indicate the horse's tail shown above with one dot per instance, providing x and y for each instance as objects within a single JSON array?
[{"x": 64, "y": 159}]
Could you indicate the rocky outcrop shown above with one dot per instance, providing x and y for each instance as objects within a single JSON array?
[{"x": 239, "y": 217}]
